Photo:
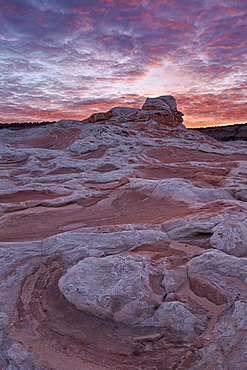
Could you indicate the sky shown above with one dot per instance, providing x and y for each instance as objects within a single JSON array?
[{"x": 67, "y": 59}]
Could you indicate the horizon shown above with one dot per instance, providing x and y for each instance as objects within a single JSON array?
[
  {"x": 64, "y": 60},
  {"x": 55, "y": 121},
  {"x": 50, "y": 122}
]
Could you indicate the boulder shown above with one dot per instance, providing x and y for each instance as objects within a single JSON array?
[
  {"x": 117, "y": 287},
  {"x": 218, "y": 277}
]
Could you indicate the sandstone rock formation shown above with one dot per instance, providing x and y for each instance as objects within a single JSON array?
[{"x": 123, "y": 244}]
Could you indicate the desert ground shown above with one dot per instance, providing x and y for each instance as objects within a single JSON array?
[{"x": 123, "y": 244}]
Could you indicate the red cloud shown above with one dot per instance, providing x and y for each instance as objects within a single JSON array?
[{"x": 66, "y": 59}]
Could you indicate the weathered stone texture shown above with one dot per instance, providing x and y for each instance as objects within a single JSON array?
[{"x": 122, "y": 244}]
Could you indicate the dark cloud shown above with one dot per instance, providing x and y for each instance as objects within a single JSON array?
[{"x": 57, "y": 55}]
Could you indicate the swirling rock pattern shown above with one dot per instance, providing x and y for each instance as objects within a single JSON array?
[
  {"x": 115, "y": 287},
  {"x": 122, "y": 244}
]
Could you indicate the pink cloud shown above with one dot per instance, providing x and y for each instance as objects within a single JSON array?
[{"x": 56, "y": 54}]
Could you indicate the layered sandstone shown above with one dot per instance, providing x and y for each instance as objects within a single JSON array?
[{"x": 123, "y": 244}]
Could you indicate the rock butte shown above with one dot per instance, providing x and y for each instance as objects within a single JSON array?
[{"x": 123, "y": 244}]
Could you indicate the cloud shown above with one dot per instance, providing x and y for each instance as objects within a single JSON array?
[
  {"x": 227, "y": 107},
  {"x": 65, "y": 109},
  {"x": 56, "y": 54}
]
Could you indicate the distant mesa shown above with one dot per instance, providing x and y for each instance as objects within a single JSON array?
[
  {"x": 20, "y": 125},
  {"x": 226, "y": 133}
]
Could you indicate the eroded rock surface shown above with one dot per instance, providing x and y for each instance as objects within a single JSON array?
[
  {"x": 122, "y": 244},
  {"x": 117, "y": 287}
]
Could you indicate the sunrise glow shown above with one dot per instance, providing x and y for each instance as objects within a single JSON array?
[{"x": 67, "y": 59}]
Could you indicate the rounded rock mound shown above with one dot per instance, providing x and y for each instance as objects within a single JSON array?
[{"x": 116, "y": 287}]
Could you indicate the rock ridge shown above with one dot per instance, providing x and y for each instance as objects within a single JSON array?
[{"x": 162, "y": 110}]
